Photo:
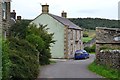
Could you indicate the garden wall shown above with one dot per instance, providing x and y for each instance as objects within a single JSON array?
[
  {"x": 108, "y": 47},
  {"x": 110, "y": 58}
]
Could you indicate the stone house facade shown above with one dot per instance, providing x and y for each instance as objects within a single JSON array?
[
  {"x": 68, "y": 36},
  {"x": 4, "y": 17}
]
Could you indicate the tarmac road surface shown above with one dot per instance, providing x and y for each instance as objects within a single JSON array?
[{"x": 68, "y": 69}]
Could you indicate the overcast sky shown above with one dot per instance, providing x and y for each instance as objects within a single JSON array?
[{"x": 29, "y": 9}]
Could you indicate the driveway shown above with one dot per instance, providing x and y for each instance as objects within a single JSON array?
[{"x": 68, "y": 69}]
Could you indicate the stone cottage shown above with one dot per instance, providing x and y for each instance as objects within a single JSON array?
[
  {"x": 67, "y": 34},
  {"x": 4, "y": 17}
]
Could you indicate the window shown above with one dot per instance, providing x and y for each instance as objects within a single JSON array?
[
  {"x": 76, "y": 34},
  {"x": 4, "y": 10},
  {"x": 71, "y": 34}
]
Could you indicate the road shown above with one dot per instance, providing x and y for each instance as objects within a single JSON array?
[{"x": 68, "y": 69}]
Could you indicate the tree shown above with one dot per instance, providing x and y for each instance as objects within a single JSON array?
[
  {"x": 19, "y": 29},
  {"x": 42, "y": 40}
]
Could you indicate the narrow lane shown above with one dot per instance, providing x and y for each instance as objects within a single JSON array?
[{"x": 68, "y": 69}]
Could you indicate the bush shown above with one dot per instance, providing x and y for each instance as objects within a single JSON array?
[
  {"x": 24, "y": 59},
  {"x": 85, "y": 35},
  {"x": 90, "y": 49},
  {"x": 41, "y": 39},
  {"x": 6, "y": 63},
  {"x": 26, "y": 48}
]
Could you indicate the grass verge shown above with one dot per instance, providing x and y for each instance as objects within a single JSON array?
[
  {"x": 52, "y": 61},
  {"x": 92, "y": 52},
  {"x": 86, "y": 39},
  {"x": 111, "y": 74}
]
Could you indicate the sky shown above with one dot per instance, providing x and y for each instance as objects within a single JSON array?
[{"x": 29, "y": 9}]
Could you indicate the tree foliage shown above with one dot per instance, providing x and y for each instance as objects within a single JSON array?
[
  {"x": 40, "y": 38},
  {"x": 92, "y": 23},
  {"x": 19, "y": 29},
  {"x": 27, "y": 47}
]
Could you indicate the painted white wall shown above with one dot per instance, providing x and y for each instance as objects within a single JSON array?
[{"x": 57, "y": 28}]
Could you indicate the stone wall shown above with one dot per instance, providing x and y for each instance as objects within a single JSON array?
[
  {"x": 90, "y": 43},
  {"x": 108, "y": 46},
  {"x": 6, "y": 22},
  {"x": 0, "y": 18},
  {"x": 110, "y": 58},
  {"x": 0, "y": 40}
]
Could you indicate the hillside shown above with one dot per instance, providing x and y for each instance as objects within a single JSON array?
[{"x": 92, "y": 23}]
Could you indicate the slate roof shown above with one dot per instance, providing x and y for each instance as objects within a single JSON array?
[{"x": 65, "y": 21}]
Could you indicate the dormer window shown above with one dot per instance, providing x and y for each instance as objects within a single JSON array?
[{"x": 4, "y": 10}]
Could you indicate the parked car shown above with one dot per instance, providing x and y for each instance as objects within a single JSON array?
[{"x": 81, "y": 54}]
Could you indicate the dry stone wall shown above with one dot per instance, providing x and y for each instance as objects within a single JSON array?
[
  {"x": 108, "y": 47},
  {"x": 109, "y": 58}
]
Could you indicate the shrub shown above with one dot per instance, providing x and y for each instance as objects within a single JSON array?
[
  {"x": 24, "y": 59},
  {"x": 41, "y": 39},
  {"x": 28, "y": 47},
  {"x": 19, "y": 29},
  {"x": 90, "y": 49},
  {"x": 6, "y": 63},
  {"x": 85, "y": 35}
]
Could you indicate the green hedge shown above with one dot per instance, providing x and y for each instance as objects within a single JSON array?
[
  {"x": 90, "y": 49},
  {"x": 20, "y": 61},
  {"x": 26, "y": 48},
  {"x": 6, "y": 63}
]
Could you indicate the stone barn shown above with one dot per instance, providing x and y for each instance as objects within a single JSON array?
[{"x": 108, "y": 47}]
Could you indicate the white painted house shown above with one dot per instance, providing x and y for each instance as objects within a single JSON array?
[{"x": 67, "y": 35}]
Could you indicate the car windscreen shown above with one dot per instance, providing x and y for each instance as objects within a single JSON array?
[{"x": 78, "y": 52}]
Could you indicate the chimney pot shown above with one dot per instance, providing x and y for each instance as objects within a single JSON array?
[
  {"x": 64, "y": 14},
  {"x": 45, "y": 8},
  {"x": 13, "y": 14},
  {"x": 18, "y": 17}
]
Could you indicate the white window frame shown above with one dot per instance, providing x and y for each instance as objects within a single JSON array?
[{"x": 4, "y": 16}]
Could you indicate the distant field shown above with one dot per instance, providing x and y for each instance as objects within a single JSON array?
[
  {"x": 91, "y": 35},
  {"x": 86, "y": 39}
]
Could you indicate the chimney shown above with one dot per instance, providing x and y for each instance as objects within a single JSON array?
[
  {"x": 19, "y": 18},
  {"x": 64, "y": 14},
  {"x": 45, "y": 8},
  {"x": 13, "y": 14}
]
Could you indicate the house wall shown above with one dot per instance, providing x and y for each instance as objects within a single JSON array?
[
  {"x": 66, "y": 42},
  {"x": 5, "y": 23},
  {"x": 74, "y": 41},
  {"x": 0, "y": 18},
  {"x": 57, "y": 28},
  {"x": 0, "y": 40}
]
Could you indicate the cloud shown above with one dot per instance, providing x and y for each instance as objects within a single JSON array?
[{"x": 75, "y": 8}]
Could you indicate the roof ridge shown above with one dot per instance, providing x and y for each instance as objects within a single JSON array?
[{"x": 64, "y": 21}]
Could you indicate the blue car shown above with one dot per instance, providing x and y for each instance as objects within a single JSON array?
[{"x": 81, "y": 54}]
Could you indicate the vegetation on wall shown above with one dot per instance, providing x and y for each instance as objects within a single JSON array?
[
  {"x": 92, "y": 23},
  {"x": 26, "y": 48}
]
